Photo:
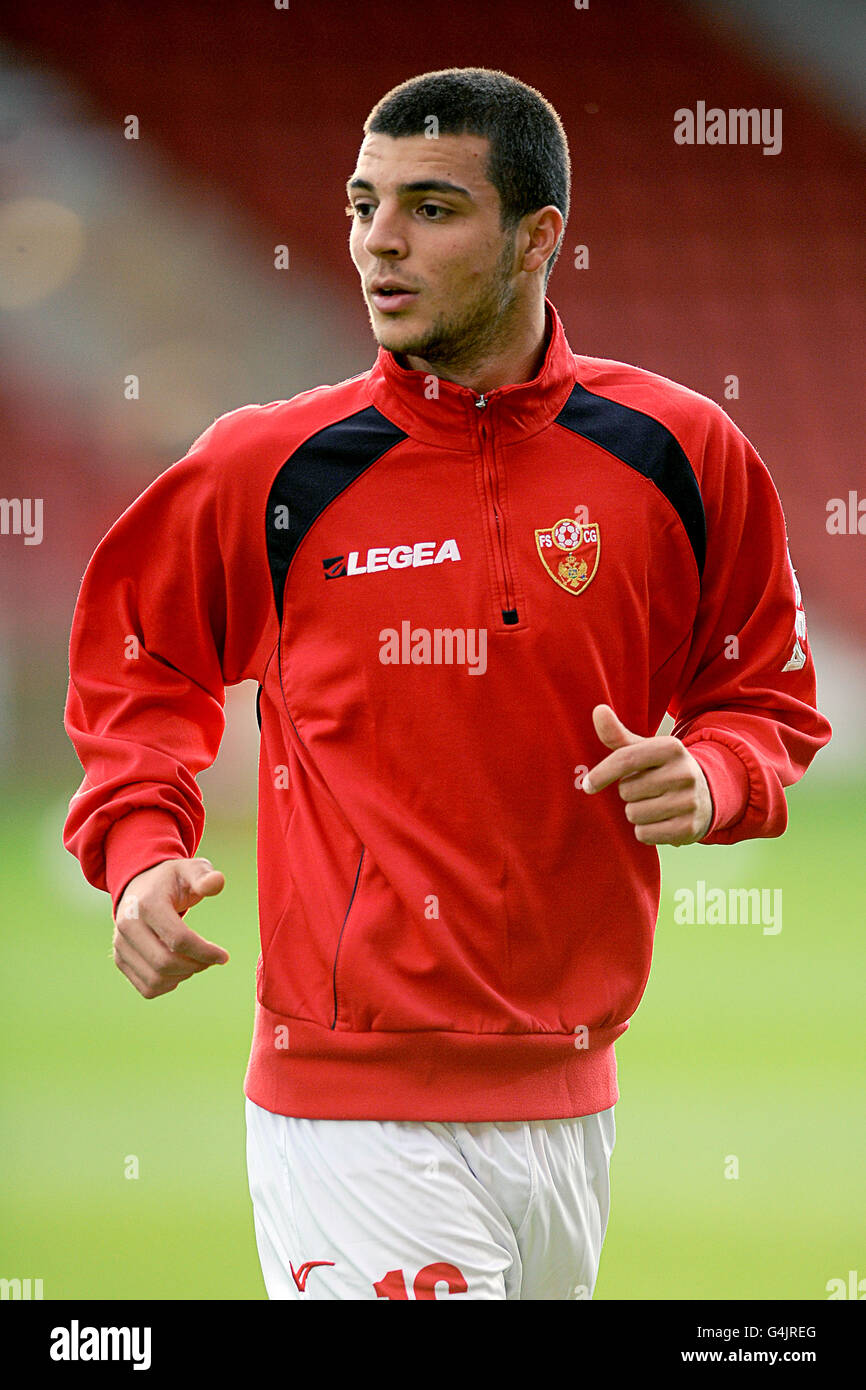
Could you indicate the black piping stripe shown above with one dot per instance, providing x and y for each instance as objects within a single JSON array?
[
  {"x": 647, "y": 446},
  {"x": 317, "y": 472},
  {"x": 342, "y": 929}
]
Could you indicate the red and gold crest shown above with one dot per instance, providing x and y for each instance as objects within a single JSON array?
[{"x": 569, "y": 552}]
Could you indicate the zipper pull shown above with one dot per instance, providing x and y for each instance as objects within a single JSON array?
[{"x": 481, "y": 403}]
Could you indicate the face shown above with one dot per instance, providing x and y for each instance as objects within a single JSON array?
[{"x": 425, "y": 219}]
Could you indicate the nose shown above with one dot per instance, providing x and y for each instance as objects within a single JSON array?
[{"x": 385, "y": 233}]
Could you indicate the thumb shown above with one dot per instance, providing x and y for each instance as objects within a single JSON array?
[
  {"x": 199, "y": 879},
  {"x": 610, "y": 728}
]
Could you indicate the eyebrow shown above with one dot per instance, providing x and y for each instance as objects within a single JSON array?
[{"x": 419, "y": 186}]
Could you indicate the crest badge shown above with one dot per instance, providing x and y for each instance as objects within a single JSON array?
[{"x": 569, "y": 552}]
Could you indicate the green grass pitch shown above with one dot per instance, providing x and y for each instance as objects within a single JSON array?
[{"x": 745, "y": 1055}]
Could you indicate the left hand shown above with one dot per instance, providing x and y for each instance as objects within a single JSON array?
[{"x": 666, "y": 793}]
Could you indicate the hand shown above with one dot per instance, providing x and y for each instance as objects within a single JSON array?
[
  {"x": 667, "y": 797},
  {"x": 152, "y": 946}
]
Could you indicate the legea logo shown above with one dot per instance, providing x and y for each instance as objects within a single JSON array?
[{"x": 396, "y": 557}]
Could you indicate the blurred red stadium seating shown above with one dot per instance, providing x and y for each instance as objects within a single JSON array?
[{"x": 704, "y": 262}]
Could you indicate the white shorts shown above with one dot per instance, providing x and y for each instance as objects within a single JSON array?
[{"x": 403, "y": 1209}]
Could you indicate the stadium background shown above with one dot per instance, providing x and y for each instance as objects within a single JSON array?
[{"x": 155, "y": 257}]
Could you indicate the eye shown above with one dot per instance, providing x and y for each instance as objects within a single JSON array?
[
  {"x": 442, "y": 212},
  {"x": 356, "y": 209}
]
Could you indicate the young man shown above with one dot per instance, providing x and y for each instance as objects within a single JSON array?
[{"x": 469, "y": 583}]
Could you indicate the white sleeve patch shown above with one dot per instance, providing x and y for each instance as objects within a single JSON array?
[{"x": 797, "y": 659}]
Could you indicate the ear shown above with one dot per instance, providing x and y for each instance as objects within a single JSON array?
[{"x": 541, "y": 231}]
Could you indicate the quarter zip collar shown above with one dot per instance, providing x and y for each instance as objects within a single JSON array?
[{"x": 441, "y": 413}]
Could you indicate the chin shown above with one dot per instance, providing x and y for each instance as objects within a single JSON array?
[{"x": 389, "y": 336}]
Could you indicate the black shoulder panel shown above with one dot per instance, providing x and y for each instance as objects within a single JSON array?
[
  {"x": 647, "y": 446},
  {"x": 313, "y": 476}
]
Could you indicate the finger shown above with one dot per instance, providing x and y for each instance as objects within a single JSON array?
[
  {"x": 658, "y": 809},
  {"x": 139, "y": 974},
  {"x": 149, "y": 952},
  {"x": 681, "y": 831},
  {"x": 149, "y": 956},
  {"x": 156, "y": 911},
  {"x": 637, "y": 757},
  {"x": 611, "y": 729},
  {"x": 179, "y": 939},
  {"x": 655, "y": 782},
  {"x": 159, "y": 918},
  {"x": 145, "y": 988}
]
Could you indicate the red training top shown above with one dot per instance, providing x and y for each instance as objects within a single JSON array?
[{"x": 433, "y": 590}]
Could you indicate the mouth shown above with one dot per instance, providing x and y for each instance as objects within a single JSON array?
[{"x": 390, "y": 299}]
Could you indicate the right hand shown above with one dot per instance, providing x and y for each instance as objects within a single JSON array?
[{"x": 152, "y": 946}]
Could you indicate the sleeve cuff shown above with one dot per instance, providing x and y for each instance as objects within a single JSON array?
[
  {"x": 727, "y": 779},
  {"x": 136, "y": 842}
]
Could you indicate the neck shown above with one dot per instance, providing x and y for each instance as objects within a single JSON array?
[{"x": 519, "y": 360}]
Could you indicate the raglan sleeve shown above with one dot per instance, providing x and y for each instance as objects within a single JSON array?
[
  {"x": 150, "y": 654},
  {"x": 746, "y": 705}
]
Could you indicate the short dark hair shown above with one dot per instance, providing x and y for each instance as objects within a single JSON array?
[{"x": 528, "y": 163}]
